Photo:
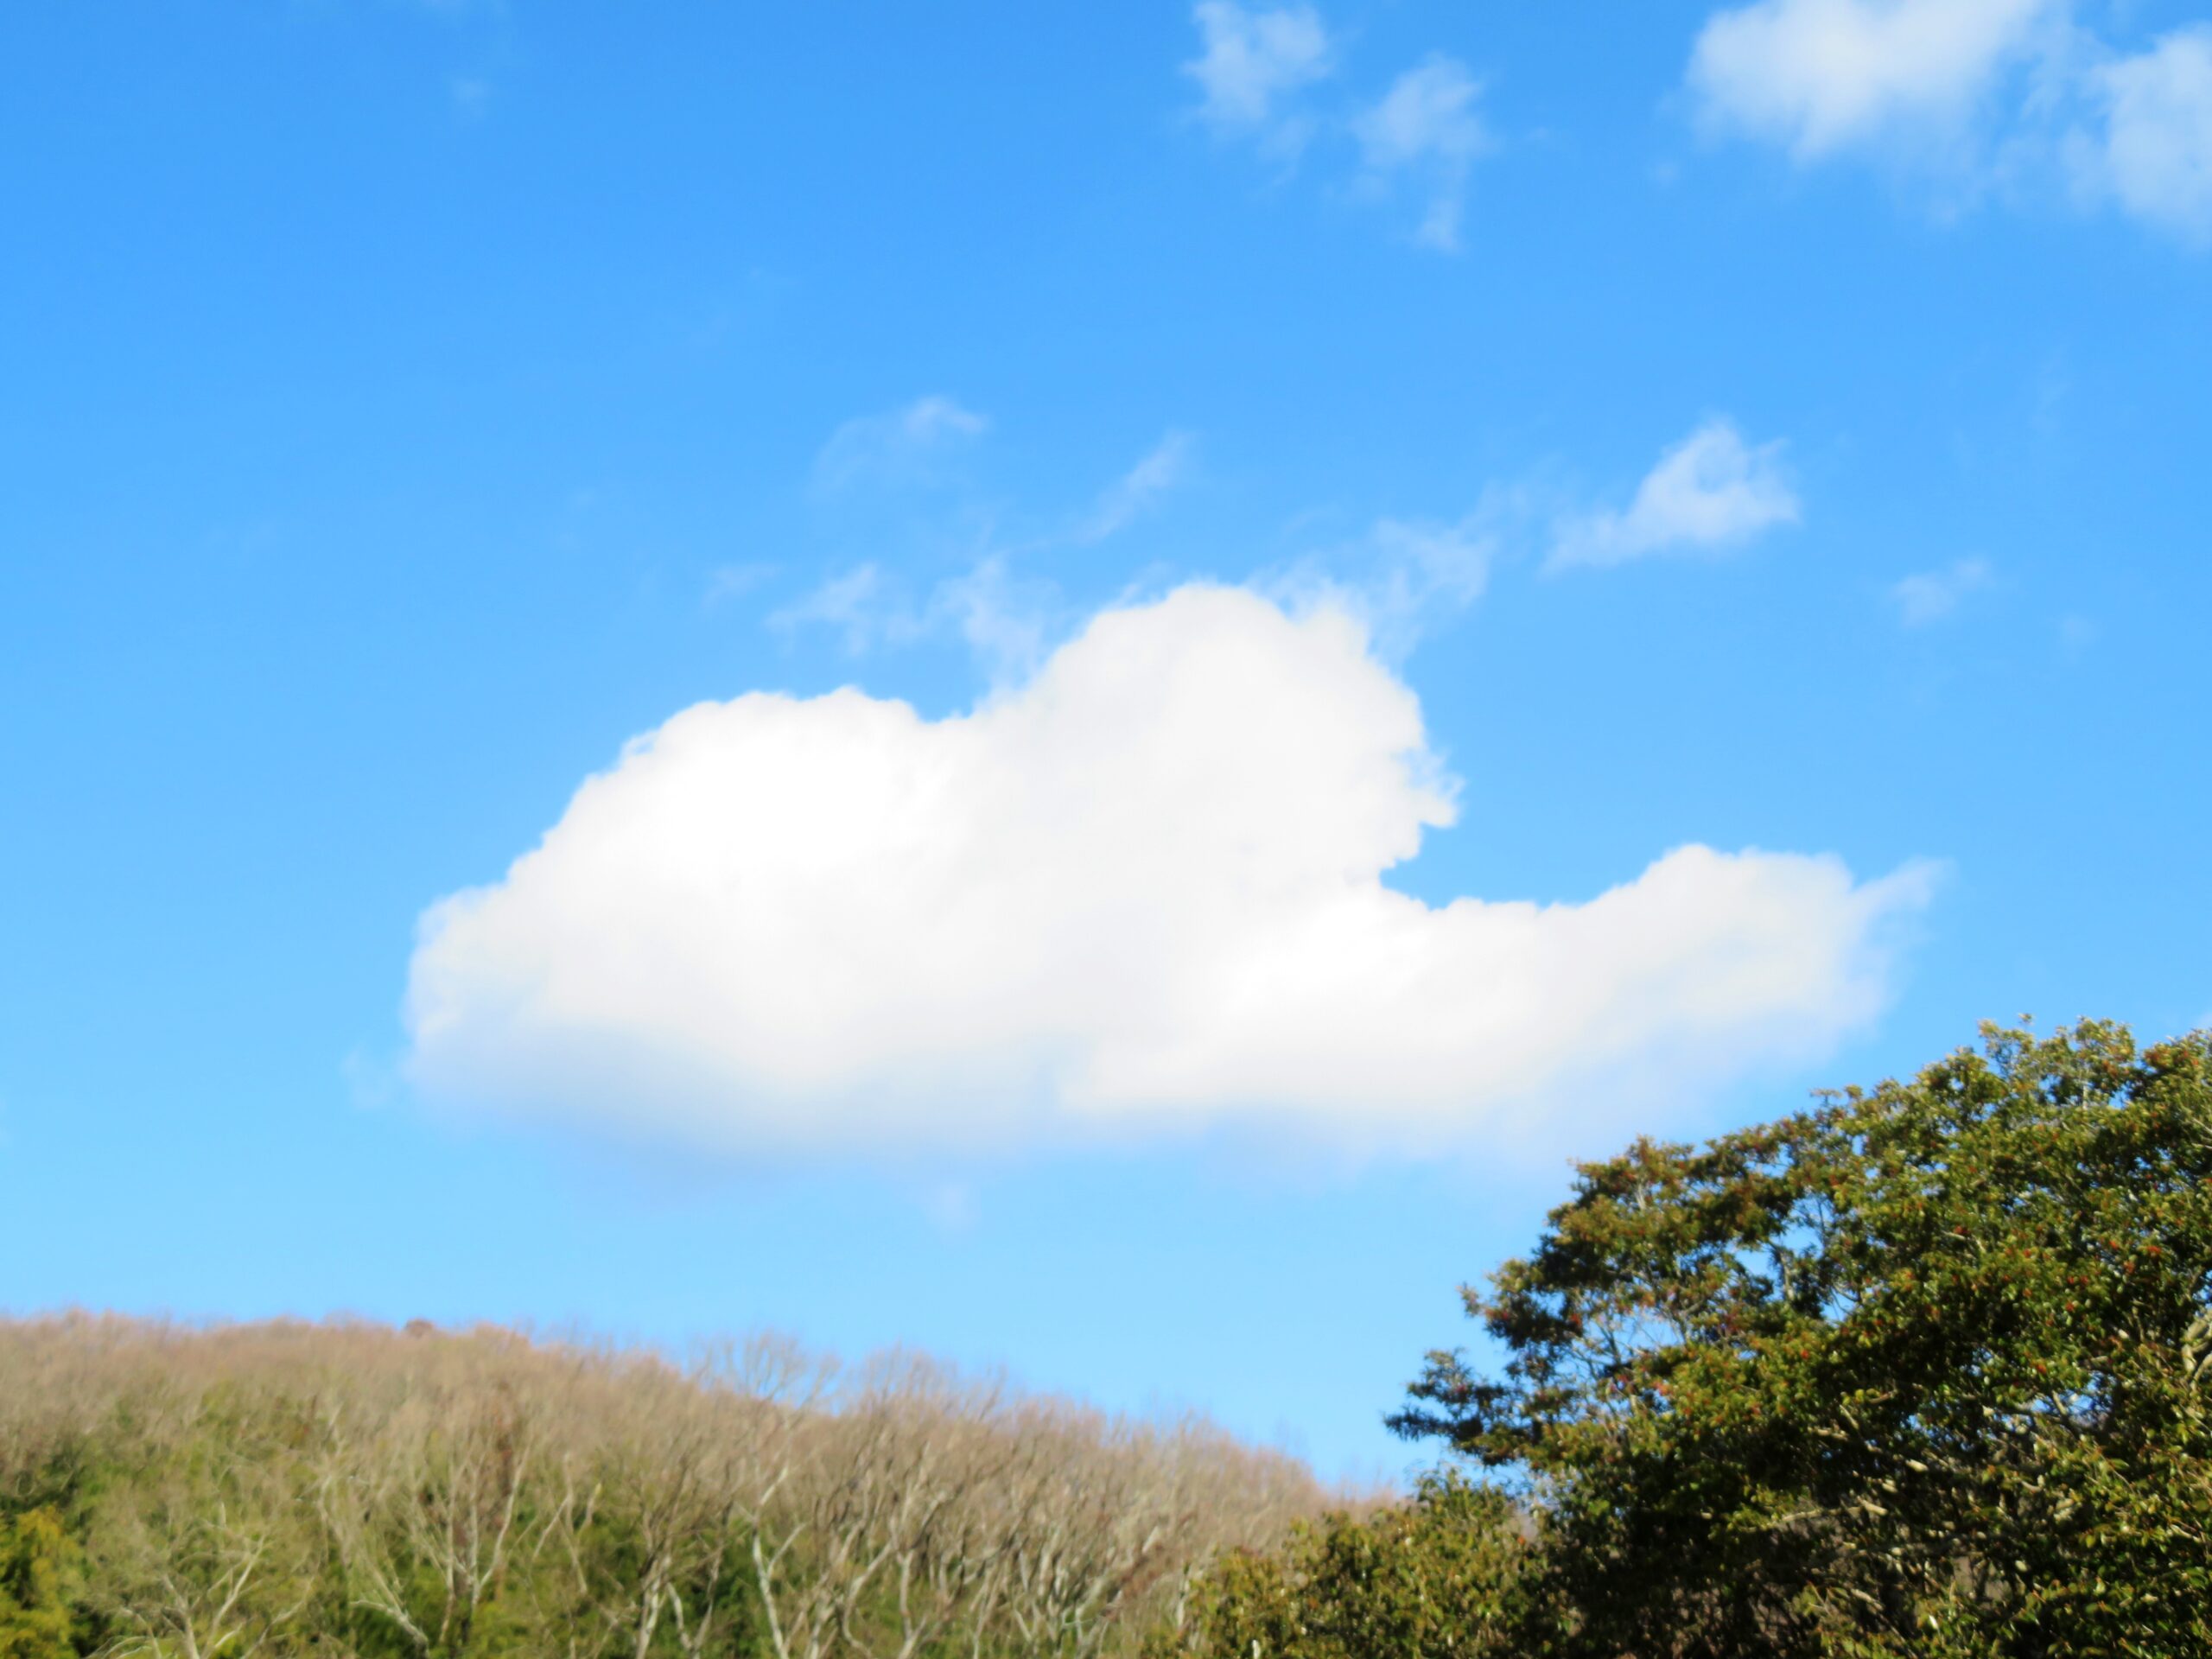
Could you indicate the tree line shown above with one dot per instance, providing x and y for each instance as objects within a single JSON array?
[
  {"x": 230, "y": 1492},
  {"x": 1924, "y": 1369}
]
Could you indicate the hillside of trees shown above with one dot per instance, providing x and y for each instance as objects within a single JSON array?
[
  {"x": 223, "y": 1493},
  {"x": 1924, "y": 1369}
]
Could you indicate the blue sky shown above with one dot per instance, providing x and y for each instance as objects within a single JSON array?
[{"x": 1423, "y": 588}]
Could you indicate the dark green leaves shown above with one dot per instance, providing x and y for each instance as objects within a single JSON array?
[{"x": 1921, "y": 1370}]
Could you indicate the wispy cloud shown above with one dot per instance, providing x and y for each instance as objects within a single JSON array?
[
  {"x": 860, "y": 606},
  {"x": 1404, "y": 578},
  {"x": 2021, "y": 93},
  {"x": 1162, "y": 469},
  {"x": 1008, "y": 617},
  {"x": 1424, "y": 129},
  {"x": 1426, "y": 125},
  {"x": 1819, "y": 76},
  {"x": 1251, "y": 64},
  {"x": 1005, "y": 620},
  {"x": 730, "y": 581},
  {"x": 1930, "y": 596},
  {"x": 904, "y": 446},
  {"x": 1709, "y": 493},
  {"x": 2153, "y": 151}
]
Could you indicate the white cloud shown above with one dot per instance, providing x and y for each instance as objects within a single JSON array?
[
  {"x": 1710, "y": 493},
  {"x": 1930, "y": 596},
  {"x": 1420, "y": 564},
  {"x": 1003, "y": 618},
  {"x": 1402, "y": 578},
  {"x": 906, "y": 445},
  {"x": 1163, "y": 467},
  {"x": 1427, "y": 123},
  {"x": 1818, "y": 75},
  {"x": 1139, "y": 894},
  {"x": 858, "y": 605},
  {"x": 1006, "y": 618},
  {"x": 1253, "y": 62},
  {"x": 1993, "y": 91},
  {"x": 2154, "y": 154}
]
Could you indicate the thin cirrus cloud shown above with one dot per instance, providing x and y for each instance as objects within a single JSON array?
[
  {"x": 1427, "y": 124},
  {"x": 1983, "y": 91},
  {"x": 1929, "y": 596},
  {"x": 1712, "y": 493},
  {"x": 1252, "y": 62},
  {"x": 1004, "y": 616},
  {"x": 1138, "y": 895},
  {"x": 859, "y": 606},
  {"x": 1167, "y": 464},
  {"x": 1404, "y": 577},
  {"x": 904, "y": 446}
]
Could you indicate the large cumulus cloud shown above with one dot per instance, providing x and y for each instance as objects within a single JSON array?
[{"x": 1140, "y": 893}]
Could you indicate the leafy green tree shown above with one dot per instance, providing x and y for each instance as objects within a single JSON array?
[
  {"x": 1441, "y": 1578},
  {"x": 41, "y": 1574},
  {"x": 1926, "y": 1370}
]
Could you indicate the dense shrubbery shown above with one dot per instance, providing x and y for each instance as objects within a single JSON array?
[
  {"x": 1926, "y": 1370},
  {"x": 354, "y": 1490}
]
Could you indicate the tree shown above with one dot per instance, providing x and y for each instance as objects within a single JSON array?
[
  {"x": 1441, "y": 1578},
  {"x": 1926, "y": 1369},
  {"x": 41, "y": 1575},
  {"x": 238, "y": 1491}
]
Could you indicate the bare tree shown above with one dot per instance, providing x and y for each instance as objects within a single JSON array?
[
  {"x": 430, "y": 1496},
  {"x": 290, "y": 1484},
  {"x": 203, "y": 1558}
]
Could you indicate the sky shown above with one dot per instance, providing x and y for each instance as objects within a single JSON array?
[{"x": 1082, "y": 687}]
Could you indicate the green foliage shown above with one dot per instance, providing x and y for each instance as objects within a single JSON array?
[
  {"x": 1442, "y": 1578},
  {"x": 41, "y": 1576},
  {"x": 1925, "y": 1369}
]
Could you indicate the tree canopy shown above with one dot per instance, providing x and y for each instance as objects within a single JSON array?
[
  {"x": 1444, "y": 1577},
  {"x": 1923, "y": 1369}
]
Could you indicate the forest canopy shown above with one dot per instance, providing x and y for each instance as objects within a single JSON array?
[{"x": 1926, "y": 1369}]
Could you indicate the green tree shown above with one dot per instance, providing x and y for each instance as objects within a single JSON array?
[
  {"x": 1926, "y": 1369},
  {"x": 1441, "y": 1578},
  {"x": 40, "y": 1572}
]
